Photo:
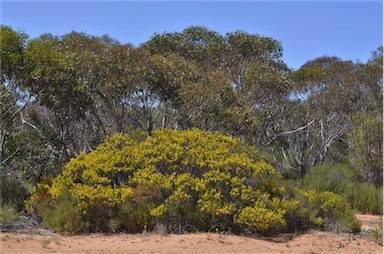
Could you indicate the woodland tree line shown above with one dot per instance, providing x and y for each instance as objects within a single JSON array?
[{"x": 63, "y": 95}]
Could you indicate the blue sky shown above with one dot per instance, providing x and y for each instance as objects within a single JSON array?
[{"x": 306, "y": 29}]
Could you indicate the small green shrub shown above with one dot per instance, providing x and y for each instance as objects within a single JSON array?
[
  {"x": 326, "y": 177},
  {"x": 328, "y": 210},
  {"x": 7, "y": 214},
  {"x": 13, "y": 192},
  {"x": 365, "y": 197},
  {"x": 377, "y": 232},
  {"x": 62, "y": 215},
  {"x": 132, "y": 217},
  {"x": 353, "y": 225}
]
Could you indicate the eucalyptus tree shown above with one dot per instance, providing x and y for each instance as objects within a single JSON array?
[
  {"x": 25, "y": 155},
  {"x": 254, "y": 67},
  {"x": 85, "y": 82},
  {"x": 237, "y": 75},
  {"x": 200, "y": 98},
  {"x": 53, "y": 81},
  {"x": 13, "y": 97},
  {"x": 366, "y": 136},
  {"x": 105, "y": 70},
  {"x": 318, "y": 83},
  {"x": 196, "y": 43},
  {"x": 331, "y": 94}
]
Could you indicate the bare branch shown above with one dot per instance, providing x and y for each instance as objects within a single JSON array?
[
  {"x": 11, "y": 156},
  {"x": 23, "y": 121},
  {"x": 288, "y": 132}
]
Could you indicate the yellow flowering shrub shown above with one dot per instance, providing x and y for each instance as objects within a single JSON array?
[
  {"x": 178, "y": 178},
  {"x": 328, "y": 210},
  {"x": 265, "y": 215}
]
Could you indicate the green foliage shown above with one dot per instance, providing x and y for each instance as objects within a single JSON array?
[
  {"x": 13, "y": 193},
  {"x": 343, "y": 179},
  {"x": 11, "y": 53},
  {"x": 8, "y": 213},
  {"x": 328, "y": 177},
  {"x": 132, "y": 214},
  {"x": 53, "y": 76},
  {"x": 377, "y": 232},
  {"x": 365, "y": 197},
  {"x": 367, "y": 148},
  {"x": 62, "y": 214},
  {"x": 328, "y": 210}
]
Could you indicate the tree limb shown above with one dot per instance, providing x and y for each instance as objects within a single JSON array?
[{"x": 288, "y": 132}]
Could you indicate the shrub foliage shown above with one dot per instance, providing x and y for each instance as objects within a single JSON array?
[
  {"x": 185, "y": 180},
  {"x": 343, "y": 179}
]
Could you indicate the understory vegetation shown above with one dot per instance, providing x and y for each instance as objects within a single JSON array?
[
  {"x": 343, "y": 179},
  {"x": 189, "y": 131}
]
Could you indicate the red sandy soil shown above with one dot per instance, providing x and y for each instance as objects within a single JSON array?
[{"x": 311, "y": 243}]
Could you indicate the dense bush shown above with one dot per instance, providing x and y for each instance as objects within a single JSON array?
[
  {"x": 13, "y": 192},
  {"x": 7, "y": 214},
  {"x": 62, "y": 213},
  {"x": 186, "y": 180},
  {"x": 344, "y": 180}
]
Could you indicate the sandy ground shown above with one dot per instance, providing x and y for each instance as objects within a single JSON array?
[{"x": 311, "y": 243}]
